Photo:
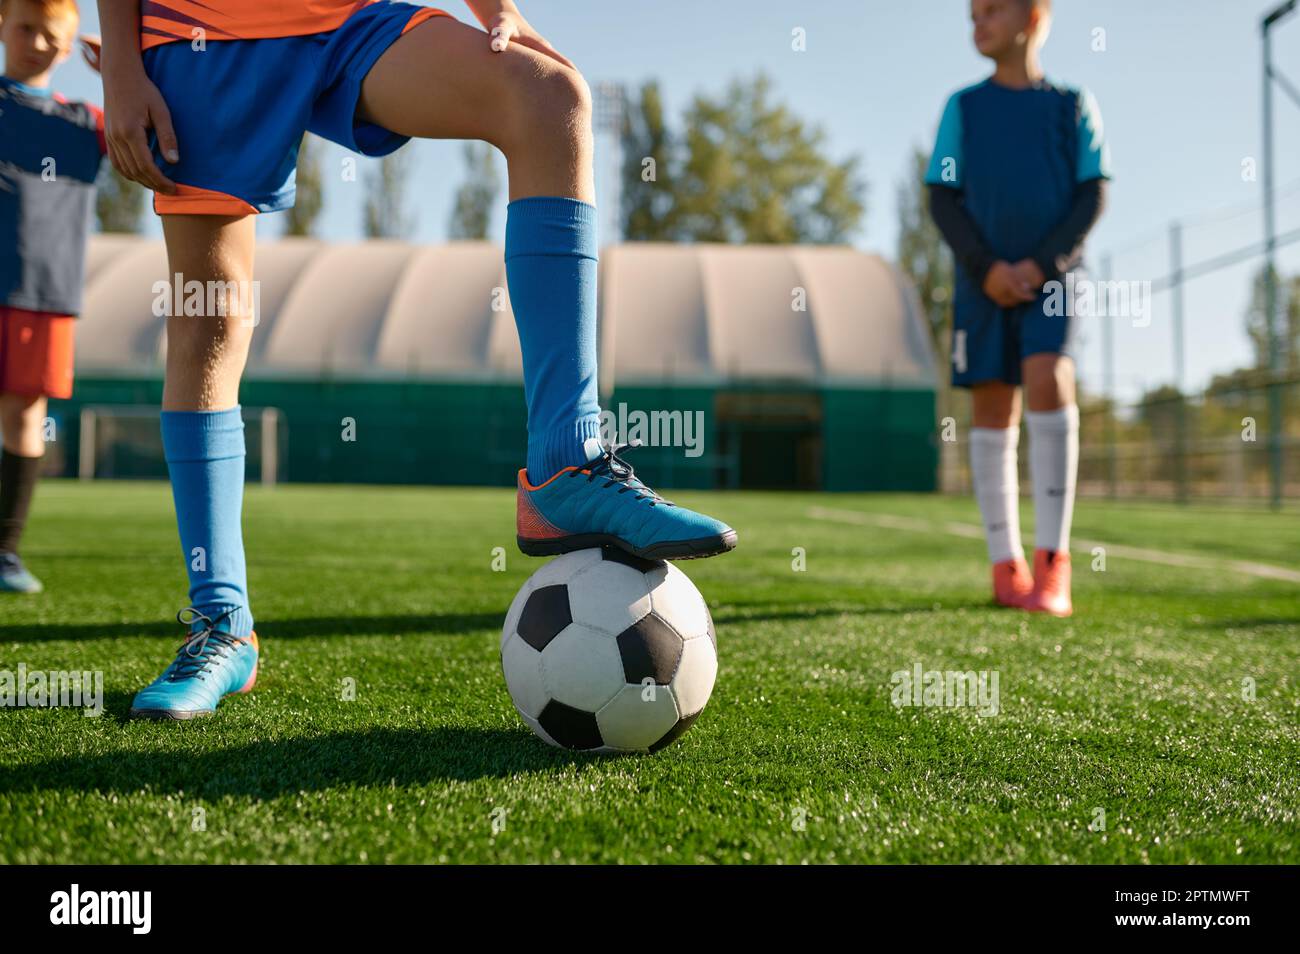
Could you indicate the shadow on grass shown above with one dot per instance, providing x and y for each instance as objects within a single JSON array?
[
  {"x": 1258, "y": 622},
  {"x": 415, "y": 624},
  {"x": 447, "y": 624},
  {"x": 344, "y": 759},
  {"x": 734, "y": 613}
]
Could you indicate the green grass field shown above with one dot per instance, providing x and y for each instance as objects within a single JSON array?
[{"x": 1135, "y": 706}]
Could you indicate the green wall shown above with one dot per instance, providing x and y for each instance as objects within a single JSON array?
[{"x": 474, "y": 433}]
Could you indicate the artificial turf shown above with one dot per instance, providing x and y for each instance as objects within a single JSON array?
[{"x": 1138, "y": 706}]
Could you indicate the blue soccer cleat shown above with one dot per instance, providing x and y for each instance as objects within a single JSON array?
[
  {"x": 16, "y": 578},
  {"x": 211, "y": 665},
  {"x": 602, "y": 503}
]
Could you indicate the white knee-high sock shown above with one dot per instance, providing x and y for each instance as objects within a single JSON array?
[
  {"x": 1053, "y": 465},
  {"x": 997, "y": 488}
]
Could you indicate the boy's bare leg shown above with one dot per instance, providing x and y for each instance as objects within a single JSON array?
[
  {"x": 203, "y": 440},
  {"x": 1049, "y": 382},
  {"x": 533, "y": 108},
  {"x": 442, "y": 79},
  {"x": 206, "y": 356},
  {"x": 22, "y": 419}
]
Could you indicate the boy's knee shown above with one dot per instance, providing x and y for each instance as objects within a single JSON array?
[
  {"x": 21, "y": 418},
  {"x": 1049, "y": 381},
  {"x": 553, "y": 103}
]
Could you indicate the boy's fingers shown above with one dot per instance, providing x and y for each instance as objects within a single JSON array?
[
  {"x": 148, "y": 173},
  {"x": 115, "y": 157},
  {"x": 501, "y": 36},
  {"x": 162, "y": 126},
  {"x": 123, "y": 160}
]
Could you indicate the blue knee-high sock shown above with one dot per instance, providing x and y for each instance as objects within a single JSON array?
[
  {"x": 205, "y": 457},
  {"x": 551, "y": 257}
]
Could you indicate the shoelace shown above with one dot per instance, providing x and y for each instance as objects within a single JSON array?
[
  {"x": 202, "y": 647},
  {"x": 615, "y": 470}
]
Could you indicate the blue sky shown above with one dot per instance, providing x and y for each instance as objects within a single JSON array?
[{"x": 1178, "y": 84}]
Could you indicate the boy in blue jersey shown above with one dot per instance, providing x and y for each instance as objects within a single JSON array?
[
  {"x": 50, "y": 153},
  {"x": 206, "y": 104},
  {"x": 1016, "y": 181}
]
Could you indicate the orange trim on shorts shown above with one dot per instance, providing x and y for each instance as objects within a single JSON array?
[
  {"x": 191, "y": 200},
  {"x": 37, "y": 351},
  {"x": 428, "y": 13}
]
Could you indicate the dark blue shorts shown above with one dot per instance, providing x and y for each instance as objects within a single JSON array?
[
  {"x": 240, "y": 108},
  {"x": 990, "y": 343}
]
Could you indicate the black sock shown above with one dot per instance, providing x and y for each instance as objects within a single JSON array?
[{"x": 17, "y": 481}]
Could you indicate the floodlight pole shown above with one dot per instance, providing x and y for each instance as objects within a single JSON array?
[
  {"x": 1108, "y": 383},
  {"x": 609, "y": 112},
  {"x": 1270, "y": 264},
  {"x": 1180, "y": 360}
]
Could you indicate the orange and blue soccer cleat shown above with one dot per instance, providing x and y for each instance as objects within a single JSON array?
[
  {"x": 210, "y": 665},
  {"x": 602, "y": 503},
  {"x": 1051, "y": 584},
  {"x": 1012, "y": 583}
]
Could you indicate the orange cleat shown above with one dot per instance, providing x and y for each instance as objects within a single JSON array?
[
  {"x": 1012, "y": 583},
  {"x": 1051, "y": 584}
]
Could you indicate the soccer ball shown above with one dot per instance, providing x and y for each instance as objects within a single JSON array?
[{"x": 606, "y": 652}]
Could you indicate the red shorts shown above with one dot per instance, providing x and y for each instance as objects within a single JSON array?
[{"x": 36, "y": 352}]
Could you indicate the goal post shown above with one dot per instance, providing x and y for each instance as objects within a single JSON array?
[{"x": 124, "y": 441}]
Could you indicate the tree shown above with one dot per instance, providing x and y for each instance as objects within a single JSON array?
[
  {"x": 1287, "y": 321},
  {"x": 472, "y": 213},
  {"x": 310, "y": 198},
  {"x": 648, "y": 164},
  {"x": 119, "y": 203},
  {"x": 384, "y": 216},
  {"x": 746, "y": 169},
  {"x": 922, "y": 254}
]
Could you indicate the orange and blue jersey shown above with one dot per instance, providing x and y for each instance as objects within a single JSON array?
[
  {"x": 164, "y": 21},
  {"x": 266, "y": 73},
  {"x": 50, "y": 155}
]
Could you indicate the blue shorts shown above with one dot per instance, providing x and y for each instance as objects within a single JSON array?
[
  {"x": 989, "y": 343},
  {"x": 240, "y": 108}
]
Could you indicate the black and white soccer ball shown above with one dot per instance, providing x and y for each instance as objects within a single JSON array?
[{"x": 606, "y": 652}]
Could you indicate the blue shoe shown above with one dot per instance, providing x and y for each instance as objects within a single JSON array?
[
  {"x": 211, "y": 665},
  {"x": 601, "y": 504},
  {"x": 16, "y": 578}
]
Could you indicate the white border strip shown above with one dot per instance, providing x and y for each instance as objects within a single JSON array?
[{"x": 972, "y": 532}]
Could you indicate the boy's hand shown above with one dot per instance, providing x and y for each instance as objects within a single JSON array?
[
  {"x": 133, "y": 106},
  {"x": 1006, "y": 287},
  {"x": 1028, "y": 271},
  {"x": 511, "y": 26},
  {"x": 91, "y": 46}
]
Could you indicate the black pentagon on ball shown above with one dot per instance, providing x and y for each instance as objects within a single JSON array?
[
  {"x": 570, "y": 727},
  {"x": 545, "y": 615},
  {"x": 619, "y": 555},
  {"x": 675, "y": 732},
  {"x": 650, "y": 649}
]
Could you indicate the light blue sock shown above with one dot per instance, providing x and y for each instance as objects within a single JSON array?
[
  {"x": 551, "y": 255},
  {"x": 205, "y": 456}
]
